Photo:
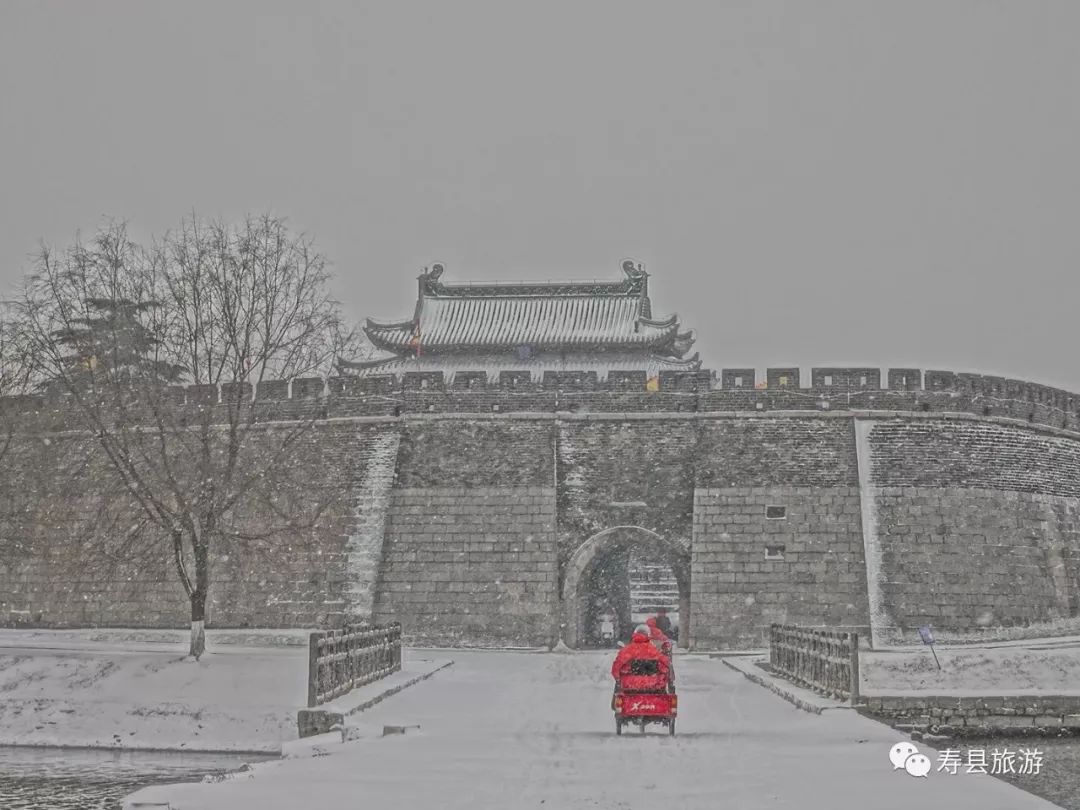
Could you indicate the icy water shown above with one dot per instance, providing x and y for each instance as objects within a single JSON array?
[
  {"x": 1057, "y": 781},
  {"x": 85, "y": 779}
]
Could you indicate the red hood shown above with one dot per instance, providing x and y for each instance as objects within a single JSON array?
[{"x": 639, "y": 638}]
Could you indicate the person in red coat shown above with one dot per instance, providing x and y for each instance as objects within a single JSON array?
[{"x": 640, "y": 646}]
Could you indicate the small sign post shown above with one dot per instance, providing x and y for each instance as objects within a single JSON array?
[{"x": 928, "y": 639}]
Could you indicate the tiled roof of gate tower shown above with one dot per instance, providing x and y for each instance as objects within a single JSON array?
[
  {"x": 592, "y": 319},
  {"x": 470, "y": 316}
]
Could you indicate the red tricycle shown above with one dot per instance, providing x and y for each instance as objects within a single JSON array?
[{"x": 644, "y": 694}]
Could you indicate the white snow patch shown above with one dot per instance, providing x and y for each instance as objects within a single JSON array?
[
  {"x": 239, "y": 699},
  {"x": 364, "y": 547},
  {"x": 1007, "y": 669},
  {"x": 880, "y": 622}
]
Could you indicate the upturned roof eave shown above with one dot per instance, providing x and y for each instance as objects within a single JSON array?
[
  {"x": 391, "y": 337},
  {"x": 402, "y": 346},
  {"x": 376, "y": 325},
  {"x": 395, "y": 336},
  {"x": 660, "y": 323},
  {"x": 397, "y": 365}
]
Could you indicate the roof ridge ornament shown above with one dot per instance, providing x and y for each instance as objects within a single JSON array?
[
  {"x": 434, "y": 273},
  {"x": 634, "y": 269},
  {"x": 428, "y": 281}
]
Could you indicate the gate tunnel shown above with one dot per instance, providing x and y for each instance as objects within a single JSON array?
[{"x": 597, "y": 574}]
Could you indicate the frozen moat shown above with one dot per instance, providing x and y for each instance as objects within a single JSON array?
[{"x": 86, "y": 779}]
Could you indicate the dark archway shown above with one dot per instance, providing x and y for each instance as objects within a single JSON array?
[{"x": 597, "y": 572}]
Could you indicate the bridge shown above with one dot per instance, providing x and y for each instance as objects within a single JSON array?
[{"x": 522, "y": 730}]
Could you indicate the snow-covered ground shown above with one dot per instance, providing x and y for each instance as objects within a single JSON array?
[
  {"x": 136, "y": 639},
  {"x": 133, "y": 689},
  {"x": 516, "y": 730},
  {"x": 1050, "y": 666},
  {"x": 1056, "y": 628},
  {"x": 144, "y": 695}
]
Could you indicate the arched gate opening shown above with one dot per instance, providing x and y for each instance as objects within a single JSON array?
[{"x": 610, "y": 572}]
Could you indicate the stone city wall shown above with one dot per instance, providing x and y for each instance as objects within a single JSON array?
[
  {"x": 462, "y": 503},
  {"x": 1019, "y": 715}
]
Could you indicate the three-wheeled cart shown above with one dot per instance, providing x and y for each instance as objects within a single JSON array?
[{"x": 644, "y": 694}]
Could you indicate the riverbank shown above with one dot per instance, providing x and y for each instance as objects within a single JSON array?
[
  {"x": 123, "y": 694},
  {"x": 136, "y": 690},
  {"x": 145, "y": 639},
  {"x": 1048, "y": 665}
]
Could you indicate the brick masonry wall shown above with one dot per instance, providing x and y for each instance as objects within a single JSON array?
[
  {"x": 475, "y": 452},
  {"x": 974, "y": 453},
  {"x": 616, "y": 473},
  {"x": 68, "y": 513},
  {"x": 963, "y": 558},
  {"x": 52, "y": 518},
  {"x": 327, "y": 574},
  {"x": 978, "y": 525},
  {"x": 818, "y": 578},
  {"x": 471, "y": 565},
  {"x": 777, "y": 451}
]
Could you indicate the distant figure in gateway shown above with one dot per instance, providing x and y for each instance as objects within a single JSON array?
[
  {"x": 664, "y": 623},
  {"x": 607, "y": 629},
  {"x": 657, "y": 636}
]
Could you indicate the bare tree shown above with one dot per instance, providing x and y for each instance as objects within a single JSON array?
[{"x": 214, "y": 305}]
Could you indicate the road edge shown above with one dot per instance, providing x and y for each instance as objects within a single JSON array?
[
  {"x": 313, "y": 721},
  {"x": 800, "y": 698}
]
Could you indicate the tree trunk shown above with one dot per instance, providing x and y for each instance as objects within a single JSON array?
[
  {"x": 198, "y": 624},
  {"x": 200, "y": 537}
]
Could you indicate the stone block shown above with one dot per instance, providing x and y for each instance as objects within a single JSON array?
[
  {"x": 1001, "y": 721},
  {"x": 1048, "y": 720}
]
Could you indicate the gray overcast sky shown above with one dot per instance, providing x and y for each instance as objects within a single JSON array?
[{"x": 807, "y": 182}]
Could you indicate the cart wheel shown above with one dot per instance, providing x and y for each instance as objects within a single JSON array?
[
  {"x": 671, "y": 727},
  {"x": 618, "y": 726}
]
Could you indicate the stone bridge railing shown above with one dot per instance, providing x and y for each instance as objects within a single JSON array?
[
  {"x": 342, "y": 660},
  {"x": 823, "y": 660}
]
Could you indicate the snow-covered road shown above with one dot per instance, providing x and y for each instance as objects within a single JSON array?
[{"x": 521, "y": 730}]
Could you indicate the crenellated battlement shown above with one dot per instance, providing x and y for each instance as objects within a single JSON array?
[{"x": 731, "y": 389}]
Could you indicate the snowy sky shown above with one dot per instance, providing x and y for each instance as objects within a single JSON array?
[{"x": 808, "y": 182}]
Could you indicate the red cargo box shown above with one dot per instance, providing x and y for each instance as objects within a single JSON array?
[{"x": 647, "y": 705}]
